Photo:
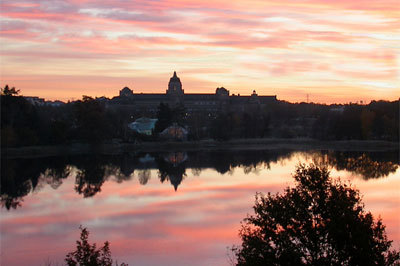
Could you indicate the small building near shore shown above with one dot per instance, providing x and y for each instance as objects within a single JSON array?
[
  {"x": 143, "y": 125},
  {"x": 174, "y": 132}
]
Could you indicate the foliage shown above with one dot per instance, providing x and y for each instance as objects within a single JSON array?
[
  {"x": 222, "y": 127},
  {"x": 19, "y": 121},
  {"x": 87, "y": 254},
  {"x": 167, "y": 116},
  {"x": 92, "y": 122},
  {"x": 318, "y": 222},
  {"x": 164, "y": 117},
  {"x": 7, "y": 91}
]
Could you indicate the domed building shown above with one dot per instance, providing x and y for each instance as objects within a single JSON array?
[
  {"x": 175, "y": 85},
  {"x": 126, "y": 92},
  {"x": 208, "y": 103}
]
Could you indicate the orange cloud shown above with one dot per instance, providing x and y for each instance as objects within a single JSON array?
[{"x": 245, "y": 42}]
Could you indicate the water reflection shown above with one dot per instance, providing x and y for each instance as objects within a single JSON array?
[
  {"x": 22, "y": 176},
  {"x": 153, "y": 224},
  {"x": 366, "y": 165}
]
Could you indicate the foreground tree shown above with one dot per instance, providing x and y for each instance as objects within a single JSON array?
[
  {"x": 318, "y": 222},
  {"x": 88, "y": 255}
]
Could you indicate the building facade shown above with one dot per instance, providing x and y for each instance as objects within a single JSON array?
[{"x": 221, "y": 100}]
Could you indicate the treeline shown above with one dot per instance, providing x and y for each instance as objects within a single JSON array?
[
  {"x": 378, "y": 120},
  {"x": 83, "y": 121},
  {"x": 94, "y": 121}
]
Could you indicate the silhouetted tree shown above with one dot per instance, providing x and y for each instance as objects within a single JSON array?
[
  {"x": 87, "y": 254},
  {"x": 7, "y": 91},
  {"x": 164, "y": 116},
  {"x": 19, "y": 120},
  {"x": 59, "y": 130},
  {"x": 222, "y": 127},
  {"x": 179, "y": 115},
  {"x": 167, "y": 116},
  {"x": 92, "y": 121},
  {"x": 318, "y": 222}
]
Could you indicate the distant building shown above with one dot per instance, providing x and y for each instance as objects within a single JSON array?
[
  {"x": 54, "y": 103},
  {"x": 175, "y": 86},
  {"x": 35, "y": 100},
  {"x": 42, "y": 102},
  {"x": 193, "y": 102},
  {"x": 143, "y": 125},
  {"x": 339, "y": 109}
]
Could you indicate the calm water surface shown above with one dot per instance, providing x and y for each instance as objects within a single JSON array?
[{"x": 165, "y": 209}]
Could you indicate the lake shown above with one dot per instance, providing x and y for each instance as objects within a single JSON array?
[{"x": 178, "y": 208}]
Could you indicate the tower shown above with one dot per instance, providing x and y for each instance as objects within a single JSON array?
[{"x": 175, "y": 86}]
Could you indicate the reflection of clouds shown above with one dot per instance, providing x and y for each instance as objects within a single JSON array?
[
  {"x": 54, "y": 177},
  {"x": 204, "y": 216},
  {"x": 253, "y": 168},
  {"x": 153, "y": 225},
  {"x": 144, "y": 175},
  {"x": 196, "y": 171},
  {"x": 90, "y": 175}
]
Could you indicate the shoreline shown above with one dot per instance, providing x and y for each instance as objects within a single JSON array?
[{"x": 203, "y": 145}]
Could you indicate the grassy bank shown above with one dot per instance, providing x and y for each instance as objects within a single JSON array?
[{"x": 237, "y": 144}]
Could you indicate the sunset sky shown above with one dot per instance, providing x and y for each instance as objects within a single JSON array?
[{"x": 335, "y": 51}]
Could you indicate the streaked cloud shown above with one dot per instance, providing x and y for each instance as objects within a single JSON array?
[{"x": 274, "y": 47}]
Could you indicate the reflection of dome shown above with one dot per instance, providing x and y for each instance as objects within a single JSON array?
[
  {"x": 172, "y": 167},
  {"x": 175, "y": 180}
]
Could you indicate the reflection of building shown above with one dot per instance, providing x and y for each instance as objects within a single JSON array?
[
  {"x": 194, "y": 102},
  {"x": 176, "y": 158},
  {"x": 175, "y": 179},
  {"x": 146, "y": 159},
  {"x": 173, "y": 168}
]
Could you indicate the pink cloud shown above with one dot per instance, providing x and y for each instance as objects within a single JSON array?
[{"x": 191, "y": 35}]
